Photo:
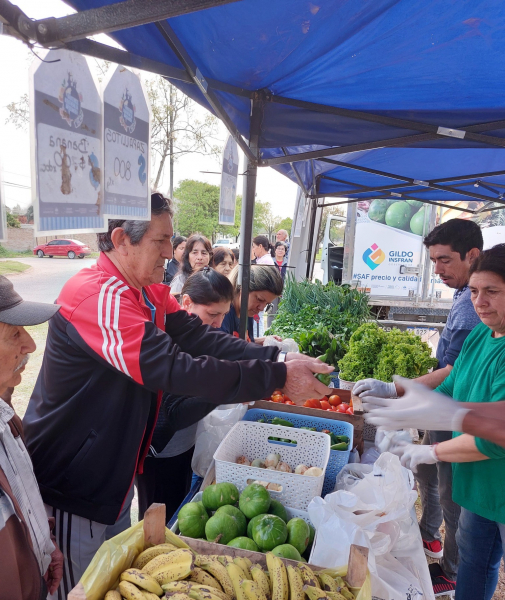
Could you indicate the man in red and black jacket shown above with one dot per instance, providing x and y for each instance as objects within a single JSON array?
[{"x": 118, "y": 342}]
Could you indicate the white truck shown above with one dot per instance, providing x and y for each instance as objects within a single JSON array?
[{"x": 390, "y": 263}]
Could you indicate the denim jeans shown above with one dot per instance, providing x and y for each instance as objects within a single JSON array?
[
  {"x": 435, "y": 488},
  {"x": 481, "y": 545}
]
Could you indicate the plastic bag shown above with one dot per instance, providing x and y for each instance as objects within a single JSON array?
[
  {"x": 116, "y": 555},
  {"x": 372, "y": 508},
  {"x": 211, "y": 432},
  {"x": 287, "y": 345}
]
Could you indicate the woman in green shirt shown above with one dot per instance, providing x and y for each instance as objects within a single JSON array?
[{"x": 478, "y": 465}]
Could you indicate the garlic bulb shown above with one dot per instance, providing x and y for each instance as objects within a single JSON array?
[
  {"x": 274, "y": 487},
  {"x": 300, "y": 469},
  {"x": 314, "y": 472},
  {"x": 272, "y": 460},
  {"x": 284, "y": 467},
  {"x": 242, "y": 460}
]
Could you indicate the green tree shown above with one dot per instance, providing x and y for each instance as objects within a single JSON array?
[
  {"x": 264, "y": 219},
  {"x": 287, "y": 224},
  {"x": 12, "y": 220},
  {"x": 197, "y": 210}
]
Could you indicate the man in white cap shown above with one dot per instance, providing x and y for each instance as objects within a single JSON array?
[{"x": 31, "y": 564}]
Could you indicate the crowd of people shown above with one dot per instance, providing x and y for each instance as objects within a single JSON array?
[
  {"x": 131, "y": 365},
  {"x": 128, "y": 370}
]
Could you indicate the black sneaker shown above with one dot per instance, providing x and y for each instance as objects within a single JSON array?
[{"x": 442, "y": 585}]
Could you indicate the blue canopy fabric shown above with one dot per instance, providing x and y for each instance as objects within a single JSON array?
[{"x": 424, "y": 61}]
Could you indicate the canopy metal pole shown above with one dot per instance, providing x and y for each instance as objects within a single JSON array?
[{"x": 248, "y": 199}]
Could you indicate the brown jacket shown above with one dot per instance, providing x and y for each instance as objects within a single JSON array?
[{"x": 20, "y": 577}]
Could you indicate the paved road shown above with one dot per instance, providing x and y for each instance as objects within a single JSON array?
[{"x": 43, "y": 282}]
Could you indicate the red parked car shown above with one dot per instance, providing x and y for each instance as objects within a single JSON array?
[{"x": 70, "y": 248}]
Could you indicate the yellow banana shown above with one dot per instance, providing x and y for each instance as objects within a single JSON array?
[
  {"x": 308, "y": 575},
  {"x": 144, "y": 557},
  {"x": 186, "y": 587},
  {"x": 175, "y": 557},
  {"x": 295, "y": 584},
  {"x": 261, "y": 578},
  {"x": 344, "y": 594},
  {"x": 252, "y": 590},
  {"x": 343, "y": 589},
  {"x": 142, "y": 580},
  {"x": 217, "y": 570},
  {"x": 315, "y": 593},
  {"x": 242, "y": 563},
  {"x": 327, "y": 582},
  {"x": 130, "y": 591},
  {"x": 148, "y": 595},
  {"x": 174, "y": 571},
  {"x": 203, "y": 594},
  {"x": 207, "y": 589},
  {"x": 179, "y": 596},
  {"x": 200, "y": 576},
  {"x": 112, "y": 595},
  {"x": 236, "y": 575},
  {"x": 176, "y": 586},
  {"x": 224, "y": 559},
  {"x": 249, "y": 562},
  {"x": 278, "y": 577}
]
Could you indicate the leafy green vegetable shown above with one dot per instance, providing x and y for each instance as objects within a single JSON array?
[
  {"x": 376, "y": 353},
  {"x": 320, "y": 318}
]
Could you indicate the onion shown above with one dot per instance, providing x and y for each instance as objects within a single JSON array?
[
  {"x": 284, "y": 467},
  {"x": 272, "y": 460},
  {"x": 274, "y": 487},
  {"x": 314, "y": 472},
  {"x": 300, "y": 469},
  {"x": 258, "y": 463},
  {"x": 242, "y": 460},
  {"x": 263, "y": 483}
]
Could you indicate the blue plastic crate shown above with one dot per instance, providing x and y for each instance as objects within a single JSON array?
[{"x": 338, "y": 458}]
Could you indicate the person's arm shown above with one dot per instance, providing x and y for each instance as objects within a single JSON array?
[
  {"x": 486, "y": 421},
  {"x": 431, "y": 380},
  {"x": 460, "y": 449}
]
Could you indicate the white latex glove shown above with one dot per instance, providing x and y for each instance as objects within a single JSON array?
[
  {"x": 374, "y": 387},
  {"x": 412, "y": 455},
  {"x": 419, "y": 408}
]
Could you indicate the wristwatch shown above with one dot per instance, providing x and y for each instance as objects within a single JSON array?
[{"x": 281, "y": 357}]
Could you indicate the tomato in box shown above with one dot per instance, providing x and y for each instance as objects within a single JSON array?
[{"x": 335, "y": 400}]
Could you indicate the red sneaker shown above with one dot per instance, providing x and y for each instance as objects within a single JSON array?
[
  {"x": 442, "y": 585},
  {"x": 433, "y": 549}
]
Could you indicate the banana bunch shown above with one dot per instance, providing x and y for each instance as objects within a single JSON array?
[{"x": 181, "y": 574}]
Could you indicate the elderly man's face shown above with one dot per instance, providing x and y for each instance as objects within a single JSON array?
[
  {"x": 147, "y": 259},
  {"x": 281, "y": 236},
  {"x": 15, "y": 346}
]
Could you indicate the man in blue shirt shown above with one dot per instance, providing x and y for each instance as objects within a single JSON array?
[{"x": 453, "y": 246}]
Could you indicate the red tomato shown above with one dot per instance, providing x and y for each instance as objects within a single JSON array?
[
  {"x": 341, "y": 409},
  {"x": 307, "y": 404},
  {"x": 325, "y": 405},
  {"x": 335, "y": 400},
  {"x": 286, "y": 398},
  {"x": 329, "y": 410},
  {"x": 290, "y": 403},
  {"x": 277, "y": 398},
  {"x": 345, "y": 405},
  {"x": 350, "y": 411}
]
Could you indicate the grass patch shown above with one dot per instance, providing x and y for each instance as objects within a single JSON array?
[
  {"x": 4, "y": 253},
  {"x": 7, "y": 267}
]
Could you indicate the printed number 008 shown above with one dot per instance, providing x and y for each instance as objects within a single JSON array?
[{"x": 122, "y": 169}]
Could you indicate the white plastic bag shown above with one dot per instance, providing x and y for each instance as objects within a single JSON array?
[
  {"x": 372, "y": 508},
  {"x": 211, "y": 431},
  {"x": 287, "y": 345}
]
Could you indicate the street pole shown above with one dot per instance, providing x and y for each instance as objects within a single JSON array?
[{"x": 248, "y": 199}]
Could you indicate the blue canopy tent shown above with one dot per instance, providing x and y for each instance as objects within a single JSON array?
[{"x": 350, "y": 100}]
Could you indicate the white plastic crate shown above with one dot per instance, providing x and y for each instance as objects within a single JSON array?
[
  {"x": 250, "y": 439},
  {"x": 292, "y": 513}
]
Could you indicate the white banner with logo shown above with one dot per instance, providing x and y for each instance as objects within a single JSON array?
[
  {"x": 379, "y": 252},
  {"x": 66, "y": 145},
  {"x": 229, "y": 174},
  {"x": 126, "y": 147}
]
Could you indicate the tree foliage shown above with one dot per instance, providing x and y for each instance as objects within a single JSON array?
[
  {"x": 197, "y": 210},
  {"x": 330, "y": 210},
  {"x": 265, "y": 221},
  {"x": 287, "y": 224},
  {"x": 12, "y": 220}
]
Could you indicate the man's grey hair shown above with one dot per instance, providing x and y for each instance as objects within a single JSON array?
[
  {"x": 284, "y": 232},
  {"x": 135, "y": 230},
  {"x": 263, "y": 278}
]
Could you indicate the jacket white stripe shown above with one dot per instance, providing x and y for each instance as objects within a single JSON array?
[
  {"x": 108, "y": 310},
  {"x": 117, "y": 306},
  {"x": 100, "y": 318}
]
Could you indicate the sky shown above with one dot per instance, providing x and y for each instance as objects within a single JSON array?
[{"x": 15, "y": 143}]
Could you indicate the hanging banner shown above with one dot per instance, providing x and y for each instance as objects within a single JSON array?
[
  {"x": 126, "y": 117},
  {"x": 229, "y": 174},
  {"x": 66, "y": 145}
]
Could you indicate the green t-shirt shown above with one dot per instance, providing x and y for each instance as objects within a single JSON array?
[{"x": 479, "y": 376}]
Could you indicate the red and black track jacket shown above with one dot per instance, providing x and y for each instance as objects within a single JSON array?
[{"x": 91, "y": 416}]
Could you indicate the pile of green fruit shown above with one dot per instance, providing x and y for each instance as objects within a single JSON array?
[
  {"x": 259, "y": 523},
  {"x": 408, "y": 215}
]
